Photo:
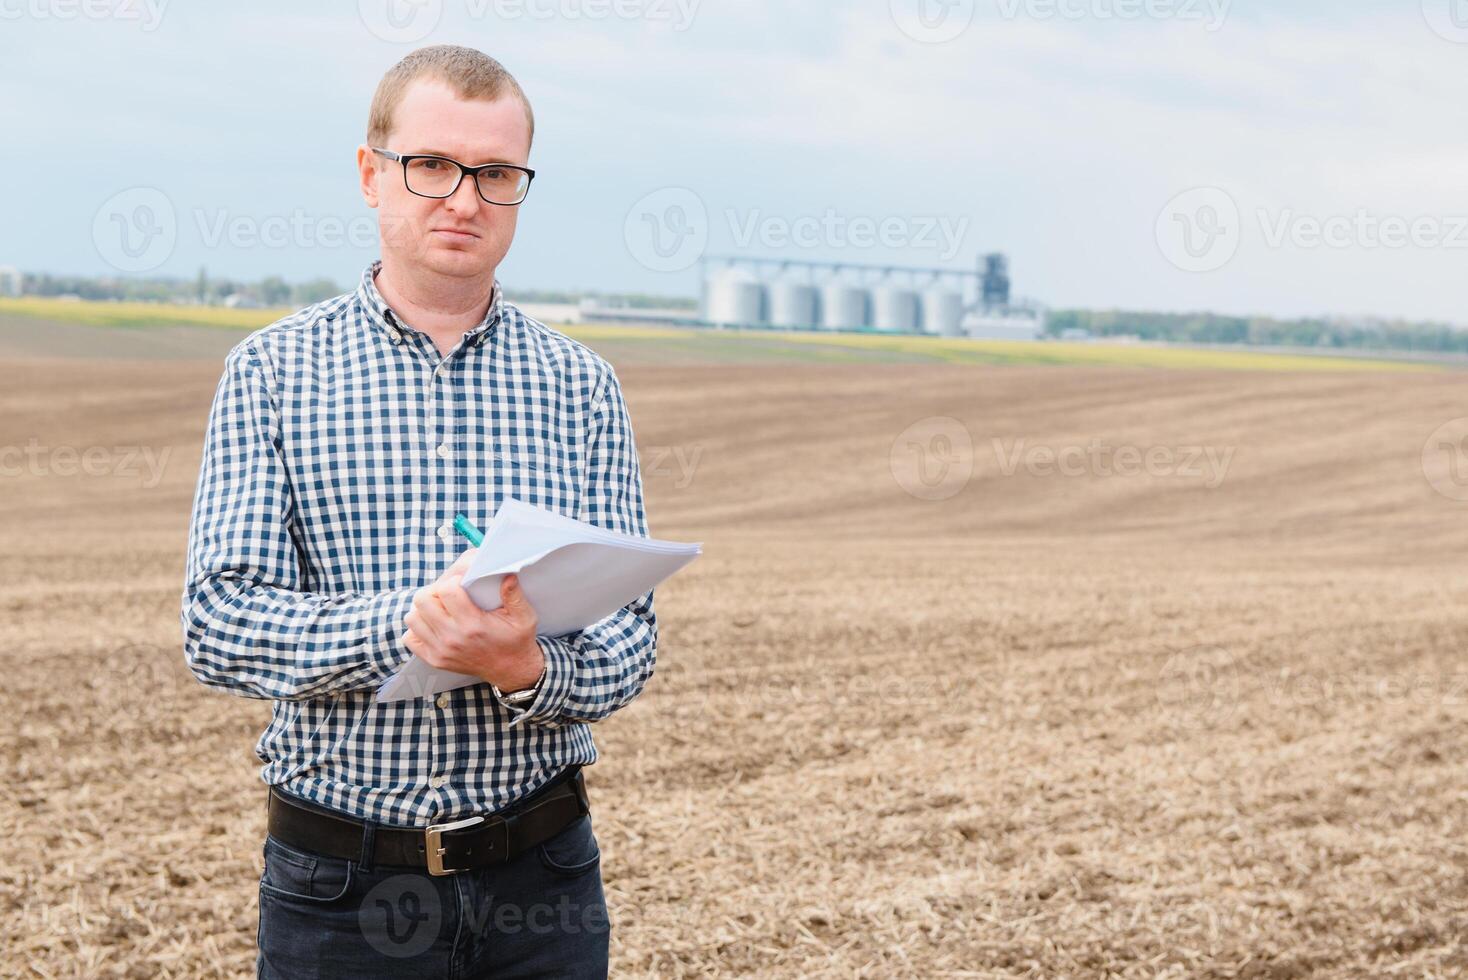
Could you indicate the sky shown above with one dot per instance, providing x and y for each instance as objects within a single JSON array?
[{"x": 1244, "y": 157}]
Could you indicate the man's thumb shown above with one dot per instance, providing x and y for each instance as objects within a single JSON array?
[{"x": 511, "y": 594}]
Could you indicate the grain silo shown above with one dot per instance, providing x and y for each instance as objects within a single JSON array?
[
  {"x": 894, "y": 309},
  {"x": 793, "y": 304},
  {"x": 943, "y": 313},
  {"x": 798, "y": 294},
  {"x": 734, "y": 300},
  {"x": 843, "y": 307}
]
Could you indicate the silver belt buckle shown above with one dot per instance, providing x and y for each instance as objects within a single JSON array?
[{"x": 433, "y": 838}]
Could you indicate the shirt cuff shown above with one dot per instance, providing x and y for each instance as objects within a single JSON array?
[
  {"x": 388, "y": 651},
  {"x": 555, "y": 687}
]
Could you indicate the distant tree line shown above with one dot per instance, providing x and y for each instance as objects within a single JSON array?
[
  {"x": 1213, "y": 328},
  {"x": 270, "y": 291},
  {"x": 275, "y": 291}
]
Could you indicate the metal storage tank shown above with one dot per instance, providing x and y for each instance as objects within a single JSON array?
[
  {"x": 793, "y": 304},
  {"x": 943, "y": 313},
  {"x": 894, "y": 309},
  {"x": 843, "y": 307},
  {"x": 734, "y": 300}
]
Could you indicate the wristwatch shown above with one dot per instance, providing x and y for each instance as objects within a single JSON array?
[{"x": 519, "y": 699}]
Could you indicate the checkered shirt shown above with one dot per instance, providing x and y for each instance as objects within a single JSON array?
[{"x": 340, "y": 445}]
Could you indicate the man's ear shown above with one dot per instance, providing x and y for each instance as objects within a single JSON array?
[{"x": 367, "y": 172}]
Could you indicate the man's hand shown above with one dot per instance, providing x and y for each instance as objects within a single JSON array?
[{"x": 450, "y": 632}]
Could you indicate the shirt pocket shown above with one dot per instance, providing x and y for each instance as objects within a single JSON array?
[
  {"x": 540, "y": 472},
  {"x": 530, "y": 453}
]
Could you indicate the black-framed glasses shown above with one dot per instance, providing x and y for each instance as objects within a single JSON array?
[{"x": 428, "y": 175}]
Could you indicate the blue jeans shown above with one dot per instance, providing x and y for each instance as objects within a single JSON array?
[{"x": 541, "y": 914}]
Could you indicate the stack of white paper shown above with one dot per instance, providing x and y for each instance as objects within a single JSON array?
[{"x": 573, "y": 573}]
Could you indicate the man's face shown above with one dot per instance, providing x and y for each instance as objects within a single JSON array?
[{"x": 461, "y": 235}]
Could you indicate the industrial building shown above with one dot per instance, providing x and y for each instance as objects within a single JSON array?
[{"x": 794, "y": 294}]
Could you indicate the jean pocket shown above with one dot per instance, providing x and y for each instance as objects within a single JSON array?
[
  {"x": 572, "y": 852},
  {"x": 300, "y": 876}
]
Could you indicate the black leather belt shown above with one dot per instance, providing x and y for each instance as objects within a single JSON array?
[{"x": 474, "y": 842}]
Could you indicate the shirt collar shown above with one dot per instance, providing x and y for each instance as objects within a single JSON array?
[{"x": 383, "y": 316}]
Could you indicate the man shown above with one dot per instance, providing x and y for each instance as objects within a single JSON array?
[{"x": 442, "y": 836}]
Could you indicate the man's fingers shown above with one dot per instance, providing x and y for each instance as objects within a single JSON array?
[
  {"x": 456, "y": 601},
  {"x": 426, "y": 616},
  {"x": 420, "y": 648}
]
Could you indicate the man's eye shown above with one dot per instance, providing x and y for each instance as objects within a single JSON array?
[
  {"x": 431, "y": 164},
  {"x": 494, "y": 174}
]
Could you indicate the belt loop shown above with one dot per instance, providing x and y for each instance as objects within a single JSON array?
[
  {"x": 512, "y": 838},
  {"x": 369, "y": 841}
]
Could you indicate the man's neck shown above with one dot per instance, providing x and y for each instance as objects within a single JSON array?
[{"x": 443, "y": 308}]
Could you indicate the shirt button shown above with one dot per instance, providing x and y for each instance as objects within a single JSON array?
[
  {"x": 437, "y": 782},
  {"x": 444, "y": 531},
  {"x": 443, "y": 701},
  {"x": 443, "y": 450}
]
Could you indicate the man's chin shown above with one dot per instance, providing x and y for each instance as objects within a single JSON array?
[{"x": 454, "y": 259}]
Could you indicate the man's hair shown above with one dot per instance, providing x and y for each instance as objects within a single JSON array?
[{"x": 471, "y": 74}]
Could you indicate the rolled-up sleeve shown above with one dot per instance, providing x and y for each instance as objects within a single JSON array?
[
  {"x": 594, "y": 671},
  {"x": 248, "y": 627}
]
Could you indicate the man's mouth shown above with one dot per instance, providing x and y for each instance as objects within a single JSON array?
[{"x": 454, "y": 234}]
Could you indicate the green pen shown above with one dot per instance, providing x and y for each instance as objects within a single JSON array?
[{"x": 466, "y": 527}]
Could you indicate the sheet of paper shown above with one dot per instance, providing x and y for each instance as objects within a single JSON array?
[{"x": 574, "y": 574}]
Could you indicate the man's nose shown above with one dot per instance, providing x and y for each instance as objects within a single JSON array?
[{"x": 465, "y": 198}]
